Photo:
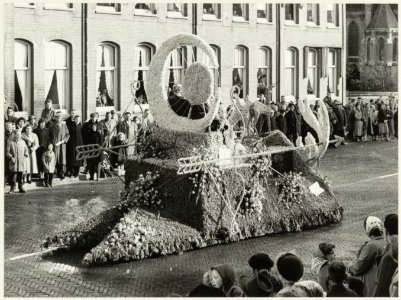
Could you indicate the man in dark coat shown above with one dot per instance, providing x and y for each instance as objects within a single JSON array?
[
  {"x": 48, "y": 113},
  {"x": 59, "y": 136},
  {"x": 7, "y": 134},
  {"x": 339, "y": 128},
  {"x": 75, "y": 140},
  {"x": 70, "y": 120},
  {"x": 291, "y": 121},
  {"x": 94, "y": 137}
]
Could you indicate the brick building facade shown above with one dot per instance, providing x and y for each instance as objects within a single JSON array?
[{"x": 71, "y": 51}]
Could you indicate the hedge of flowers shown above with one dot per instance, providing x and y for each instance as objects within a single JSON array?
[{"x": 291, "y": 189}]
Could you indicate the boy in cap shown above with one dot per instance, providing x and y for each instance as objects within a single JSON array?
[{"x": 258, "y": 285}]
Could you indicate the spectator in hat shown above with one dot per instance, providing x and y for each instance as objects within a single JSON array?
[
  {"x": 291, "y": 122},
  {"x": 59, "y": 136},
  {"x": 307, "y": 288},
  {"x": 290, "y": 270},
  {"x": 369, "y": 255},
  {"x": 206, "y": 291},
  {"x": 258, "y": 285},
  {"x": 336, "y": 277},
  {"x": 48, "y": 113},
  {"x": 320, "y": 263},
  {"x": 223, "y": 278},
  {"x": 394, "y": 254},
  {"x": 355, "y": 284},
  {"x": 387, "y": 265},
  {"x": 10, "y": 115},
  {"x": 262, "y": 261},
  {"x": 87, "y": 127}
]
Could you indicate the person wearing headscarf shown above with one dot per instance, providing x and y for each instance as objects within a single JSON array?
[
  {"x": 369, "y": 255},
  {"x": 223, "y": 277}
]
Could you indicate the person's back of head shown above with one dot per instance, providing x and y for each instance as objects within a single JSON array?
[
  {"x": 356, "y": 285},
  {"x": 206, "y": 291},
  {"x": 290, "y": 267},
  {"x": 391, "y": 224},
  {"x": 337, "y": 271},
  {"x": 307, "y": 288},
  {"x": 260, "y": 261}
]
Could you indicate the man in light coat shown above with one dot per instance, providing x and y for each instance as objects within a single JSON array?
[
  {"x": 59, "y": 136},
  {"x": 130, "y": 129},
  {"x": 17, "y": 152}
]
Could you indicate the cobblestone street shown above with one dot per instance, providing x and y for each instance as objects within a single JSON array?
[{"x": 358, "y": 173}]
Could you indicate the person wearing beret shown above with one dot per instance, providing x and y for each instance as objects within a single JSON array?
[
  {"x": 290, "y": 270},
  {"x": 262, "y": 261}
]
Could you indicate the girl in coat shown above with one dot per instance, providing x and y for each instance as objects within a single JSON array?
[
  {"x": 223, "y": 277},
  {"x": 16, "y": 152},
  {"x": 32, "y": 142},
  {"x": 49, "y": 163},
  {"x": 369, "y": 255}
]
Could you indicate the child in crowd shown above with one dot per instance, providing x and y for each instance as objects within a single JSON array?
[
  {"x": 337, "y": 276},
  {"x": 49, "y": 163},
  {"x": 320, "y": 263},
  {"x": 223, "y": 278},
  {"x": 17, "y": 152},
  {"x": 122, "y": 152}
]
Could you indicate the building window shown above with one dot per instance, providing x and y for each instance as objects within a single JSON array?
[
  {"x": 145, "y": 9},
  {"x": 332, "y": 15},
  {"x": 395, "y": 50},
  {"x": 177, "y": 10},
  {"x": 312, "y": 72},
  {"x": 313, "y": 14},
  {"x": 240, "y": 70},
  {"x": 381, "y": 49},
  {"x": 23, "y": 75},
  {"x": 240, "y": 12},
  {"x": 206, "y": 61},
  {"x": 264, "y": 70},
  {"x": 24, "y": 5},
  {"x": 143, "y": 56},
  {"x": 264, "y": 13},
  {"x": 290, "y": 72},
  {"x": 176, "y": 66},
  {"x": 353, "y": 40},
  {"x": 211, "y": 11},
  {"x": 108, "y": 8},
  {"x": 58, "y": 6},
  {"x": 57, "y": 73},
  {"x": 332, "y": 71},
  {"x": 368, "y": 50},
  {"x": 107, "y": 75},
  {"x": 291, "y": 14}
]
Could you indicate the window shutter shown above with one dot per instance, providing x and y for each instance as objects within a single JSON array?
[
  {"x": 247, "y": 12},
  {"x": 218, "y": 7},
  {"x": 306, "y": 54},
  {"x": 185, "y": 10},
  {"x": 317, "y": 14},
  {"x": 296, "y": 13},
  {"x": 337, "y": 10}
]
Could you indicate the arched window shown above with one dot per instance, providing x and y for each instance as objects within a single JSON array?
[
  {"x": 107, "y": 75},
  {"x": 332, "y": 71},
  {"x": 58, "y": 73},
  {"x": 143, "y": 56},
  {"x": 353, "y": 40},
  {"x": 23, "y": 75},
  {"x": 368, "y": 54},
  {"x": 264, "y": 69},
  {"x": 206, "y": 61},
  {"x": 291, "y": 71},
  {"x": 176, "y": 66},
  {"x": 312, "y": 71},
  {"x": 395, "y": 50},
  {"x": 240, "y": 70},
  {"x": 380, "y": 45}
]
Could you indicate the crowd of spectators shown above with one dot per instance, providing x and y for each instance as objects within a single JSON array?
[
  {"x": 372, "y": 273},
  {"x": 356, "y": 120},
  {"x": 40, "y": 149}
]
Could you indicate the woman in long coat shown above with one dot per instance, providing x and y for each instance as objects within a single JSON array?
[
  {"x": 94, "y": 137},
  {"x": 43, "y": 137},
  {"x": 32, "y": 142},
  {"x": 358, "y": 122},
  {"x": 373, "y": 125},
  {"x": 369, "y": 255},
  {"x": 75, "y": 140},
  {"x": 365, "y": 118},
  {"x": 59, "y": 136}
]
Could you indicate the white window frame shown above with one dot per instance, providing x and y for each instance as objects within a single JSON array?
[
  {"x": 315, "y": 16},
  {"x": 266, "y": 52},
  {"x": 215, "y": 16},
  {"x": 115, "y": 10},
  {"x": 244, "y": 68},
  {"x": 27, "y": 97},
  {"x": 67, "y": 100},
  {"x": 24, "y": 5},
  {"x": 181, "y": 14},
  {"x": 206, "y": 61},
  {"x": 290, "y": 93},
  {"x": 145, "y": 69},
  {"x": 116, "y": 84},
  {"x": 312, "y": 70},
  {"x": 151, "y": 12},
  {"x": 59, "y": 6},
  {"x": 332, "y": 69},
  {"x": 245, "y": 13},
  {"x": 295, "y": 19},
  {"x": 181, "y": 68},
  {"x": 335, "y": 10},
  {"x": 268, "y": 10}
]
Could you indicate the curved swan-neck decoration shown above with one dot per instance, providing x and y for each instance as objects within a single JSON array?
[{"x": 164, "y": 116}]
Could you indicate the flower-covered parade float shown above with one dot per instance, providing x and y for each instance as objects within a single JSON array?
[{"x": 198, "y": 182}]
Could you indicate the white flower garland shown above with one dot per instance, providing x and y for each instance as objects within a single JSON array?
[
  {"x": 156, "y": 86},
  {"x": 198, "y": 83}
]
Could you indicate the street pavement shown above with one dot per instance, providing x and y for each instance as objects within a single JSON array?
[{"x": 358, "y": 172}]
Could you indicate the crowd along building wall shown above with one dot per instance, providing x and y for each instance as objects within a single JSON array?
[{"x": 116, "y": 42}]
